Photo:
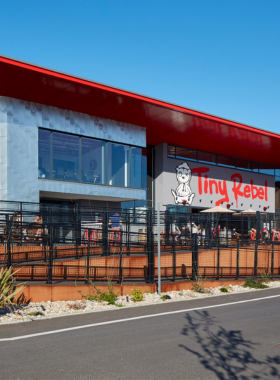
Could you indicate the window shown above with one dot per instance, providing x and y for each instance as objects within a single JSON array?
[
  {"x": 226, "y": 161},
  {"x": 207, "y": 157},
  {"x": 118, "y": 165},
  {"x": 171, "y": 151},
  {"x": 65, "y": 156},
  {"x": 231, "y": 162},
  {"x": 44, "y": 159},
  {"x": 136, "y": 158},
  {"x": 144, "y": 172},
  {"x": 266, "y": 169},
  {"x": 186, "y": 153},
  {"x": 244, "y": 165},
  {"x": 255, "y": 167},
  {"x": 93, "y": 161}
]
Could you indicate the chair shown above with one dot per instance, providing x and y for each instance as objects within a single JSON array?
[
  {"x": 70, "y": 174},
  {"x": 59, "y": 173},
  {"x": 97, "y": 179},
  {"x": 91, "y": 177}
]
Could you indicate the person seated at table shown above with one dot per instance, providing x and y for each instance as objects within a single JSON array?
[
  {"x": 265, "y": 236},
  {"x": 175, "y": 230},
  {"x": 253, "y": 233},
  {"x": 16, "y": 222},
  {"x": 38, "y": 220}
]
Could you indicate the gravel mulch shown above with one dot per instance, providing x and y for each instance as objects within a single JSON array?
[{"x": 41, "y": 310}]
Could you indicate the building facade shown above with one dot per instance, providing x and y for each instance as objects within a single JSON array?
[{"x": 67, "y": 139}]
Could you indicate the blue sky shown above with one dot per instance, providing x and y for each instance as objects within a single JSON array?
[{"x": 217, "y": 56}]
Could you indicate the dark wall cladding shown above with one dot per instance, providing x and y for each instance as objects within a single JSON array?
[{"x": 214, "y": 159}]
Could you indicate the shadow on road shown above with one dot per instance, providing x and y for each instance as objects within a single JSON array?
[{"x": 225, "y": 352}]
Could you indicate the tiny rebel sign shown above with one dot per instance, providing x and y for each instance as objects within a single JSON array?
[
  {"x": 202, "y": 185},
  {"x": 237, "y": 187}
]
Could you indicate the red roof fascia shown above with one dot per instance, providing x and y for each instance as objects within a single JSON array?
[{"x": 74, "y": 79}]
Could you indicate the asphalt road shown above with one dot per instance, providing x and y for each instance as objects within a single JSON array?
[{"x": 233, "y": 341}]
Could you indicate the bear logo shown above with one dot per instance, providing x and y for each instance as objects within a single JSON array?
[{"x": 183, "y": 194}]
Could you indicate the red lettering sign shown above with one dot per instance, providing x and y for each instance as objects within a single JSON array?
[{"x": 220, "y": 187}]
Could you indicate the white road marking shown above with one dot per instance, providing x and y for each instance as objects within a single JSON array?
[{"x": 132, "y": 319}]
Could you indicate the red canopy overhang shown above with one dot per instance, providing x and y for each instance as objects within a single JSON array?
[{"x": 164, "y": 122}]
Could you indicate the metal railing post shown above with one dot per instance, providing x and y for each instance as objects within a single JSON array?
[
  {"x": 88, "y": 251},
  {"x": 8, "y": 232},
  {"x": 194, "y": 256},
  {"x": 174, "y": 257},
  {"x": 128, "y": 234},
  {"x": 76, "y": 243},
  {"x": 237, "y": 259},
  {"x": 105, "y": 231},
  {"x": 167, "y": 227},
  {"x": 272, "y": 259},
  {"x": 21, "y": 237},
  {"x": 51, "y": 256},
  {"x": 159, "y": 258},
  {"x": 256, "y": 259},
  {"x": 120, "y": 266},
  {"x": 150, "y": 244},
  {"x": 218, "y": 259}
]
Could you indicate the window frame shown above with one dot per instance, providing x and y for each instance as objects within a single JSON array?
[{"x": 105, "y": 158}]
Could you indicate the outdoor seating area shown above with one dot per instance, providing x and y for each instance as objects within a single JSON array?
[{"x": 124, "y": 245}]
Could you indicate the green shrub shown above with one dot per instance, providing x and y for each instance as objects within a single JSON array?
[
  {"x": 256, "y": 284},
  {"x": 198, "y": 284},
  {"x": 266, "y": 277},
  {"x": 36, "y": 313},
  {"x": 163, "y": 297},
  {"x": 98, "y": 295},
  {"x": 137, "y": 295},
  {"x": 224, "y": 289}
]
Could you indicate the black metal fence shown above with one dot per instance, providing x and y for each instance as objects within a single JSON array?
[{"x": 56, "y": 243}]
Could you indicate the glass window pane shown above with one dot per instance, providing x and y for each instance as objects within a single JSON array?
[
  {"x": 93, "y": 161},
  {"x": 144, "y": 162},
  {"x": 277, "y": 172},
  {"x": 189, "y": 154},
  {"x": 226, "y": 161},
  {"x": 136, "y": 163},
  {"x": 266, "y": 169},
  {"x": 65, "y": 157},
  {"x": 118, "y": 165},
  {"x": 171, "y": 151},
  {"x": 244, "y": 165},
  {"x": 44, "y": 159},
  {"x": 207, "y": 157},
  {"x": 255, "y": 167}
]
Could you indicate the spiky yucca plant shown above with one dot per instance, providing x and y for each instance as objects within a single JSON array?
[{"x": 8, "y": 290}]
